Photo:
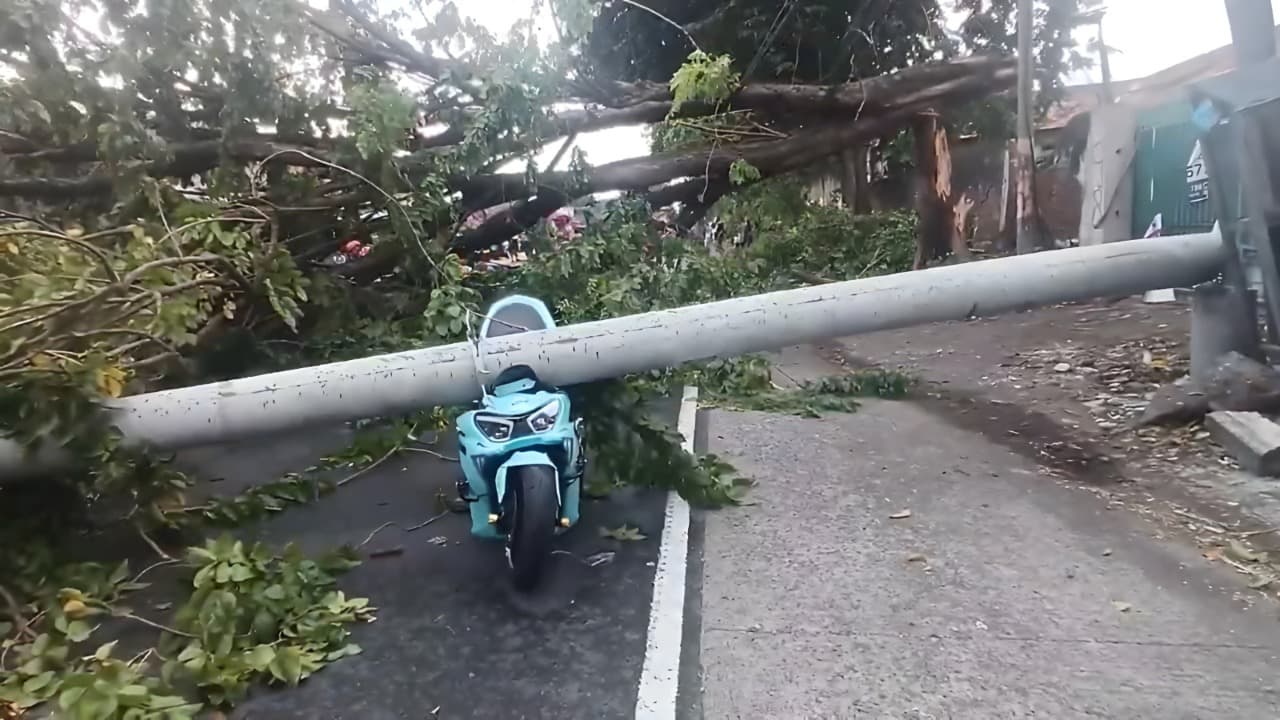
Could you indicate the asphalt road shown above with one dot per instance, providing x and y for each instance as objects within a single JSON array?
[
  {"x": 451, "y": 639},
  {"x": 893, "y": 564},
  {"x": 897, "y": 565}
]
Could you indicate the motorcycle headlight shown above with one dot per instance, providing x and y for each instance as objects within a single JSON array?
[
  {"x": 545, "y": 418},
  {"x": 495, "y": 428}
]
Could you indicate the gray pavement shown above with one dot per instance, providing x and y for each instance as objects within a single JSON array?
[{"x": 1004, "y": 594}]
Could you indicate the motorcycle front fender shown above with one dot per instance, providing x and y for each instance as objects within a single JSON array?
[{"x": 523, "y": 458}]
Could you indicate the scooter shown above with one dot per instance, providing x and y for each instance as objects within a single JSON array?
[{"x": 521, "y": 451}]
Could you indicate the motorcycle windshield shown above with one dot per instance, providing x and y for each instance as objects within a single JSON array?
[{"x": 514, "y": 317}]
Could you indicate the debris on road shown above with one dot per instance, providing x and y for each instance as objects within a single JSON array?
[
  {"x": 1241, "y": 552},
  {"x": 1176, "y": 403},
  {"x": 1121, "y": 606},
  {"x": 623, "y": 533},
  {"x": 1253, "y": 440},
  {"x": 1243, "y": 384},
  {"x": 600, "y": 558},
  {"x": 900, "y": 515}
]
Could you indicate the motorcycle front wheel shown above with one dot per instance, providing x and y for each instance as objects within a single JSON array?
[{"x": 531, "y": 511}]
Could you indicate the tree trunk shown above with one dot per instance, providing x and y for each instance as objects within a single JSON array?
[
  {"x": 853, "y": 178},
  {"x": 940, "y": 235}
]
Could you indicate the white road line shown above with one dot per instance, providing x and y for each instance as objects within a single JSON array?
[{"x": 660, "y": 676}]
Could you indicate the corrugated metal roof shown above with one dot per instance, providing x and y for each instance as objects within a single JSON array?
[{"x": 1165, "y": 86}]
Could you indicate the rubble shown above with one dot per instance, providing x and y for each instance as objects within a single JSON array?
[
  {"x": 1250, "y": 438},
  {"x": 1242, "y": 384},
  {"x": 1176, "y": 403}
]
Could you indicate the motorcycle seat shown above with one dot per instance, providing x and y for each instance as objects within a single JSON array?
[{"x": 516, "y": 373}]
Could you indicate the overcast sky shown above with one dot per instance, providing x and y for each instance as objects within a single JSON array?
[
  {"x": 1147, "y": 35},
  {"x": 1151, "y": 35}
]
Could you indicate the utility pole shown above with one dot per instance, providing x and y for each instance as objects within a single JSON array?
[
  {"x": 1252, "y": 30},
  {"x": 1104, "y": 59},
  {"x": 409, "y": 381},
  {"x": 1028, "y": 237}
]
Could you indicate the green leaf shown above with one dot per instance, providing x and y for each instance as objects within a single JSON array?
[
  {"x": 38, "y": 683},
  {"x": 287, "y": 666},
  {"x": 119, "y": 574},
  {"x": 69, "y": 697},
  {"x": 261, "y": 657},
  {"x": 191, "y": 652},
  {"x": 199, "y": 556},
  {"x": 274, "y": 592},
  {"x": 624, "y": 533},
  {"x": 168, "y": 702},
  {"x": 240, "y": 573},
  {"x": 78, "y": 631},
  {"x": 133, "y": 695},
  {"x": 345, "y": 651},
  {"x": 742, "y": 172}
]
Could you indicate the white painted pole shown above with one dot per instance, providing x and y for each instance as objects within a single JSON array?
[{"x": 446, "y": 375}]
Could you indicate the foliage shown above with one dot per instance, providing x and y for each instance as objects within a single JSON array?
[
  {"x": 251, "y": 613},
  {"x": 742, "y": 172},
  {"x": 705, "y": 78},
  {"x": 773, "y": 204},
  {"x": 831, "y": 243},
  {"x": 236, "y": 626},
  {"x": 837, "y": 41},
  {"x": 734, "y": 126},
  {"x": 813, "y": 398},
  {"x": 818, "y": 42},
  {"x": 991, "y": 26}
]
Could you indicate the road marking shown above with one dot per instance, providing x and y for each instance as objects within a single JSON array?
[{"x": 660, "y": 675}]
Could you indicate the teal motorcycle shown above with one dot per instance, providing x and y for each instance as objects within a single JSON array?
[{"x": 521, "y": 451}]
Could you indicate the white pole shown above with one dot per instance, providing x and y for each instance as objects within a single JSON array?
[
  {"x": 1028, "y": 231},
  {"x": 447, "y": 375}
]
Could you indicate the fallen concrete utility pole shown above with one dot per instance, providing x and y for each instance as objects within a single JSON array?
[{"x": 447, "y": 375}]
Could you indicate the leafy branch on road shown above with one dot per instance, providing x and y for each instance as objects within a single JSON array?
[{"x": 814, "y": 398}]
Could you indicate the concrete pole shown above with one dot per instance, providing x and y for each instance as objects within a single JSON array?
[
  {"x": 1223, "y": 320},
  {"x": 1252, "y": 30},
  {"x": 1028, "y": 231},
  {"x": 448, "y": 375},
  {"x": 1104, "y": 57}
]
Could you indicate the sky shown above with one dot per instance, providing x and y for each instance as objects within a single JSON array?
[{"x": 1146, "y": 36}]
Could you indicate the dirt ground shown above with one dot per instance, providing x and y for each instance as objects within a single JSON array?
[{"x": 1061, "y": 385}]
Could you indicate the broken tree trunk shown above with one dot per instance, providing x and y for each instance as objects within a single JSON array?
[
  {"x": 939, "y": 233},
  {"x": 708, "y": 168},
  {"x": 853, "y": 178}
]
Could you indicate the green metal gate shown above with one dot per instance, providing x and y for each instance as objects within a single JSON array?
[{"x": 1169, "y": 176}]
